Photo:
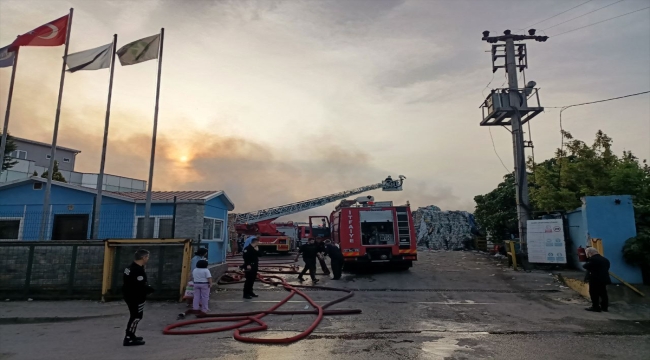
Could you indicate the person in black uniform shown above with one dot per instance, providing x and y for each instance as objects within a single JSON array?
[
  {"x": 251, "y": 262},
  {"x": 597, "y": 267},
  {"x": 335, "y": 254},
  {"x": 322, "y": 251},
  {"x": 135, "y": 290},
  {"x": 309, "y": 253}
]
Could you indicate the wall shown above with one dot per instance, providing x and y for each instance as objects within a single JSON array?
[
  {"x": 57, "y": 272},
  {"x": 37, "y": 153},
  {"x": 614, "y": 224},
  {"x": 577, "y": 237},
  {"x": 189, "y": 220},
  {"x": 215, "y": 208},
  {"x": 24, "y": 202}
]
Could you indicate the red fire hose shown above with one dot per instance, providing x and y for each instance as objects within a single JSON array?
[{"x": 246, "y": 318}]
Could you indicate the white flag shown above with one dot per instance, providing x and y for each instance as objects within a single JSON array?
[
  {"x": 139, "y": 50},
  {"x": 93, "y": 59},
  {"x": 6, "y": 57}
]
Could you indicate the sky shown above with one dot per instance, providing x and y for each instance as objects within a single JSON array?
[{"x": 282, "y": 101}]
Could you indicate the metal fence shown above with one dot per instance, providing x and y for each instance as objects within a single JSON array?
[{"x": 74, "y": 222}]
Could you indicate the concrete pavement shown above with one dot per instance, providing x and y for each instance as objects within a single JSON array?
[{"x": 450, "y": 305}]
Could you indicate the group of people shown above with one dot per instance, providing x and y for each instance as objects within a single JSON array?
[
  {"x": 135, "y": 286},
  {"x": 317, "y": 250}
]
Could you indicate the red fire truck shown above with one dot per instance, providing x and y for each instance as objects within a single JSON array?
[
  {"x": 370, "y": 232},
  {"x": 271, "y": 239}
]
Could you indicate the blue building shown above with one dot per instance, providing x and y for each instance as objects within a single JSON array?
[
  {"x": 176, "y": 214},
  {"x": 611, "y": 219}
]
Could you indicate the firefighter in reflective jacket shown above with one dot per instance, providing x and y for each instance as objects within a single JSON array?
[{"x": 135, "y": 290}]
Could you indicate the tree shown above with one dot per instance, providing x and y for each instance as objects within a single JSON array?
[
  {"x": 496, "y": 212},
  {"x": 56, "y": 176},
  {"x": 9, "y": 162},
  {"x": 590, "y": 170}
]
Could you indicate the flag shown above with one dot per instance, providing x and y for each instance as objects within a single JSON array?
[
  {"x": 139, "y": 51},
  {"x": 6, "y": 57},
  {"x": 93, "y": 59},
  {"x": 51, "y": 34}
]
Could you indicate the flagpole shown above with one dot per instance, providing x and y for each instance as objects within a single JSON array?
[
  {"x": 148, "y": 227},
  {"x": 5, "y": 129},
  {"x": 50, "y": 171},
  {"x": 100, "y": 177}
]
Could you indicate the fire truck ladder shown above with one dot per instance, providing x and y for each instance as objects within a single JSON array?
[{"x": 275, "y": 212}]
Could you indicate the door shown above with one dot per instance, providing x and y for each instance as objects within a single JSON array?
[{"x": 70, "y": 227}]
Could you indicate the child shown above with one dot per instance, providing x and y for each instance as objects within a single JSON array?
[{"x": 202, "y": 285}]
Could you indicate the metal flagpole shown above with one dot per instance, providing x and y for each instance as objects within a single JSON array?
[
  {"x": 48, "y": 187},
  {"x": 100, "y": 177},
  {"x": 148, "y": 224},
  {"x": 5, "y": 129}
]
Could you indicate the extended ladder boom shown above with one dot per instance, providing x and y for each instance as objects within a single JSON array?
[{"x": 275, "y": 212}]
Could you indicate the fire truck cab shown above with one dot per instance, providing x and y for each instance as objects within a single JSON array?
[{"x": 370, "y": 232}]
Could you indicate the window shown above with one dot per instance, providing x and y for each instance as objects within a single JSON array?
[
  {"x": 66, "y": 160},
  {"x": 48, "y": 156},
  {"x": 162, "y": 227},
  {"x": 10, "y": 228},
  {"x": 212, "y": 229},
  {"x": 38, "y": 186},
  {"x": 19, "y": 154}
]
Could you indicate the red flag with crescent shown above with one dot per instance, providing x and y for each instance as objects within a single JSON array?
[{"x": 50, "y": 34}]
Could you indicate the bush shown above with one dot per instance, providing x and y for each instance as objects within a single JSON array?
[{"x": 636, "y": 250}]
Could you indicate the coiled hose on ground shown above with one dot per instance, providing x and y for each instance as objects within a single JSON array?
[{"x": 245, "y": 318}]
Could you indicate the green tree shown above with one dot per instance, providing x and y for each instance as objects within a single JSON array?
[
  {"x": 496, "y": 212},
  {"x": 590, "y": 170},
  {"x": 8, "y": 162},
  {"x": 56, "y": 176}
]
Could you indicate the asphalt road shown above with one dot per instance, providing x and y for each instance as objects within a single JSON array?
[{"x": 450, "y": 305}]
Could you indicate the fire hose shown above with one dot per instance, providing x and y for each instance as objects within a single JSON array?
[{"x": 245, "y": 318}]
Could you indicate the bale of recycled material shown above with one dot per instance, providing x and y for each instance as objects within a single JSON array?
[{"x": 444, "y": 230}]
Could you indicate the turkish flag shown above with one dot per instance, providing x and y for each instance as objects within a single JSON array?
[{"x": 50, "y": 34}]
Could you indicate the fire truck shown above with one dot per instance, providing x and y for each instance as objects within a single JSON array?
[
  {"x": 274, "y": 239},
  {"x": 370, "y": 232}
]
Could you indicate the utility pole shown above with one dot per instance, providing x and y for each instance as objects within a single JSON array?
[{"x": 513, "y": 103}]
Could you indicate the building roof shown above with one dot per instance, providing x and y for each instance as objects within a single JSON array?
[
  {"x": 138, "y": 197},
  {"x": 182, "y": 196},
  {"x": 44, "y": 144},
  {"x": 168, "y": 195}
]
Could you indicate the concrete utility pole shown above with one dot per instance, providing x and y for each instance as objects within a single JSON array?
[{"x": 513, "y": 103}]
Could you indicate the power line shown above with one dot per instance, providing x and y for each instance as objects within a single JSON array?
[
  {"x": 559, "y": 175},
  {"x": 495, "y": 151},
  {"x": 597, "y": 101},
  {"x": 577, "y": 17},
  {"x": 596, "y": 23},
  {"x": 539, "y": 22}
]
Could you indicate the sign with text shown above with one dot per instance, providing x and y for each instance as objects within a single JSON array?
[{"x": 546, "y": 241}]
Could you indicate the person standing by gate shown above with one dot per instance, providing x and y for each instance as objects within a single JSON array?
[
  {"x": 309, "y": 253},
  {"x": 202, "y": 285},
  {"x": 251, "y": 263},
  {"x": 597, "y": 267},
  {"x": 336, "y": 256},
  {"x": 135, "y": 290}
]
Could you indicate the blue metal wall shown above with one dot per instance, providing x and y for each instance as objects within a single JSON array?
[
  {"x": 602, "y": 218},
  {"x": 24, "y": 202},
  {"x": 614, "y": 224},
  {"x": 215, "y": 208}
]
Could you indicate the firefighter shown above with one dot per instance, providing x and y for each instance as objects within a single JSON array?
[
  {"x": 135, "y": 290},
  {"x": 309, "y": 253},
  {"x": 336, "y": 256},
  {"x": 251, "y": 263},
  {"x": 322, "y": 251}
]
